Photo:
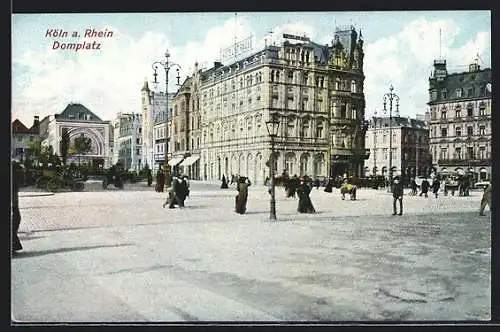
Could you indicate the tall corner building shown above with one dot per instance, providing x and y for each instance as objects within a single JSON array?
[
  {"x": 316, "y": 93},
  {"x": 154, "y": 117},
  {"x": 185, "y": 134},
  {"x": 460, "y": 120}
]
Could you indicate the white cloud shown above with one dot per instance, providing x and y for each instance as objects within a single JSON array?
[
  {"x": 109, "y": 81},
  {"x": 405, "y": 60}
]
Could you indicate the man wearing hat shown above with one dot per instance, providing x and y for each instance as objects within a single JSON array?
[{"x": 397, "y": 194}]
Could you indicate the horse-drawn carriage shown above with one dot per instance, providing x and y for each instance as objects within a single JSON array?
[
  {"x": 348, "y": 188},
  {"x": 60, "y": 178},
  {"x": 114, "y": 175}
]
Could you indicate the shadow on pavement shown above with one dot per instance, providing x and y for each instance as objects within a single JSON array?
[{"x": 27, "y": 254}]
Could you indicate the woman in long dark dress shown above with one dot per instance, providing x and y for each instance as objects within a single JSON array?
[
  {"x": 16, "y": 215},
  {"x": 305, "y": 203},
  {"x": 242, "y": 197},
  {"x": 160, "y": 180}
]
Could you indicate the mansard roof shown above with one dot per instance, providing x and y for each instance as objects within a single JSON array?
[
  {"x": 464, "y": 80},
  {"x": 399, "y": 121},
  {"x": 77, "y": 111}
]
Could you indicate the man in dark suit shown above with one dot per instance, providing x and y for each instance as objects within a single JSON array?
[{"x": 397, "y": 194}]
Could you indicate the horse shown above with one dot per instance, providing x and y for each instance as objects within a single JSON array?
[{"x": 350, "y": 189}]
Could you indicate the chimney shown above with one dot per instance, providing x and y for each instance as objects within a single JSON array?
[
  {"x": 217, "y": 64},
  {"x": 36, "y": 124}
]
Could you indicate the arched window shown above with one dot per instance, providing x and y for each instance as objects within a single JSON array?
[
  {"x": 291, "y": 127},
  {"x": 319, "y": 129},
  {"x": 303, "y": 164},
  {"x": 290, "y": 163},
  {"x": 305, "y": 128}
]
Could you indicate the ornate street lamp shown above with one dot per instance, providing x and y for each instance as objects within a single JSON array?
[
  {"x": 375, "y": 143},
  {"x": 390, "y": 97},
  {"x": 166, "y": 64},
  {"x": 272, "y": 129}
]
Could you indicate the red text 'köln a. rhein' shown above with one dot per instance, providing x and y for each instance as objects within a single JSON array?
[{"x": 92, "y": 33}]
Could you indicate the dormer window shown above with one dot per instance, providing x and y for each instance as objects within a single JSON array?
[
  {"x": 458, "y": 93},
  {"x": 470, "y": 92}
]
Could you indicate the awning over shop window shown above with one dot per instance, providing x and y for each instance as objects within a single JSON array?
[
  {"x": 190, "y": 160},
  {"x": 175, "y": 161}
]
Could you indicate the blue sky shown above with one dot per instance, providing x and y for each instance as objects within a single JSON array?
[{"x": 399, "y": 49}]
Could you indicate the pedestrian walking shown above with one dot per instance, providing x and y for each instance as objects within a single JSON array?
[
  {"x": 160, "y": 180},
  {"x": 329, "y": 186},
  {"x": 436, "y": 185},
  {"x": 424, "y": 188},
  {"x": 305, "y": 203},
  {"x": 486, "y": 200},
  {"x": 224, "y": 182},
  {"x": 182, "y": 190},
  {"x": 292, "y": 186},
  {"x": 16, "y": 215},
  {"x": 413, "y": 186},
  {"x": 397, "y": 195},
  {"x": 242, "y": 197},
  {"x": 149, "y": 176}
]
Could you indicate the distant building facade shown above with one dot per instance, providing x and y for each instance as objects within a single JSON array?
[
  {"x": 186, "y": 128},
  {"x": 128, "y": 141},
  {"x": 410, "y": 147},
  {"x": 154, "y": 115},
  {"x": 78, "y": 120},
  {"x": 23, "y": 138},
  {"x": 316, "y": 93},
  {"x": 460, "y": 120}
]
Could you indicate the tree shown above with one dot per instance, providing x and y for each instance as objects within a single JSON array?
[
  {"x": 34, "y": 150},
  {"x": 82, "y": 146},
  {"x": 64, "y": 146}
]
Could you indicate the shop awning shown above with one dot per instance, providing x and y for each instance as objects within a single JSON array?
[
  {"x": 190, "y": 160},
  {"x": 174, "y": 161}
]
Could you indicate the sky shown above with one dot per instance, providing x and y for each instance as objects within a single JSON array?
[{"x": 400, "y": 47}]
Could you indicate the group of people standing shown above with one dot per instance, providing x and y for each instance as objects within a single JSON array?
[
  {"x": 302, "y": 188},
  {"x": 425, "y": 186}
]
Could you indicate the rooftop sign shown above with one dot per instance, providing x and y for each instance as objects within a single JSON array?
[
  {"x": 289, "y": 36},
  {"x": 236, "y": 51}
]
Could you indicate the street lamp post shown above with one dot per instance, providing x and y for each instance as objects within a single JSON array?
[
  {"x": 272, "y": 129},
  {"x": 167, "y": 65},
  {"x": 390, "y": 97},
  {"x": 375, "y": 143}
]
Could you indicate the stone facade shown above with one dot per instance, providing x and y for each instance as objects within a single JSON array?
[
  {"x": 23, "y": 138},
  {"x": 186, "y": 128},
  {"x": 154, "y": 114},
  {"x": 128, "y": 141},
  {"x": 410, "y": 147},
  {"x": 316, "y": 92},
  {"x": 79, "y": 120},
  {"x": 460, "y": 120}
]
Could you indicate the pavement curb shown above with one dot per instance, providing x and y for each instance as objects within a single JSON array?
[{"x": 35, "y": 194}]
